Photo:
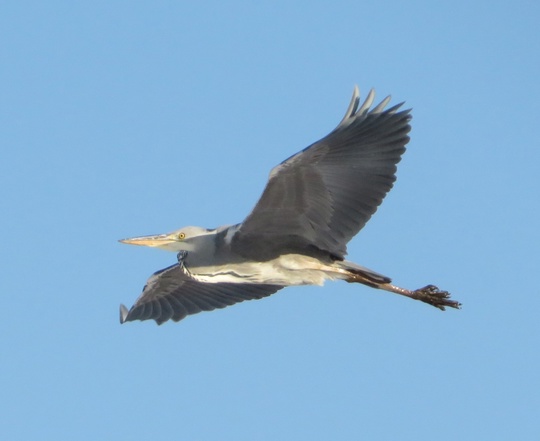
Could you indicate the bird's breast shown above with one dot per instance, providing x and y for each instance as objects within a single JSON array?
[{"x": 289, "y": 269}]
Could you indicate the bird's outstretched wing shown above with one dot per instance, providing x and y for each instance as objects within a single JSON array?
[
  {"x": 172, "y": 294},
  {"x": 322, "y": 196}
]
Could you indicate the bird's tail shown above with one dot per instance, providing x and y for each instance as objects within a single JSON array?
[{"x": 359, "y": 274}]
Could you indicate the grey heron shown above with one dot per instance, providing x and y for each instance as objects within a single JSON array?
[{"x": 314, "y": 203}]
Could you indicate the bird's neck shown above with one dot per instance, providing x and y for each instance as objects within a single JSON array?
[{"x": 201, "y": 250}]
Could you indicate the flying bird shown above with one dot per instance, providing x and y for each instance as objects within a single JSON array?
[{"x": 314, "y": 203}]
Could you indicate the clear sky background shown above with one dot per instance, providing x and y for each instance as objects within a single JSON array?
[{"x": 124, "y": 118}]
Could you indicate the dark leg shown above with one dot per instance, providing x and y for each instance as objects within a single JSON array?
[{"x": 428, "y": 294}]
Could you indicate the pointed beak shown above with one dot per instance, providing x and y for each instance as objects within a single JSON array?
[{"x": 149, "y": 241}]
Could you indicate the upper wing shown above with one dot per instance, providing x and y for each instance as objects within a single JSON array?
[
  {"x": 172, "y": 294},
  {"x": 322, "y": 196}
]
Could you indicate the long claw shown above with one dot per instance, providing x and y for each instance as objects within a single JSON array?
[{"x": 434, "y": 296}]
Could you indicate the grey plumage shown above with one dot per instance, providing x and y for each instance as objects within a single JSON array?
[
  {"x": 171, "y": 294},
  {"x": 312, "y": 206},
  {"x": 323, "y": 195}
]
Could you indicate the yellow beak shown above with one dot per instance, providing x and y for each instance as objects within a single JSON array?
[{"x": 150, "y": 241}]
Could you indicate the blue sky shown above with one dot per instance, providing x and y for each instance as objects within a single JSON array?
[{"x": 128, "y": 118}]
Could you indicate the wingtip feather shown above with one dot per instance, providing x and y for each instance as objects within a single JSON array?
[
  {"x": 353, "y": 105},
  {"x": 367, "y": 103},
  {"x": 123, "y": 313},
  {"x": 380, "y": 107}
]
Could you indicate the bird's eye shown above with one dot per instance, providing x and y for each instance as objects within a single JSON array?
[{"x": 181, "y": 236}]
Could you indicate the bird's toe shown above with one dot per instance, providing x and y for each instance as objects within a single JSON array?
[{"x": 434, "y": 296}]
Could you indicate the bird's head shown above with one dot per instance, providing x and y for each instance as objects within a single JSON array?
[{"x": 184, "y": 239}]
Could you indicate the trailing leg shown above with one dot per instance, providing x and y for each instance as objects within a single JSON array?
[{"x": 428, "y": 294}]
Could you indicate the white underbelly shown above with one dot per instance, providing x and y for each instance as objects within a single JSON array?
[{"x": 289, "y": 269}]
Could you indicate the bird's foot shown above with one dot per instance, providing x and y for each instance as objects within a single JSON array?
[{"x": 435, "y": 297}]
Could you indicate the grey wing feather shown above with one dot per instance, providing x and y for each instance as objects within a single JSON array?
[
  {"x": 322, "y": 196},
  {"x": 172, "y": 294}
]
